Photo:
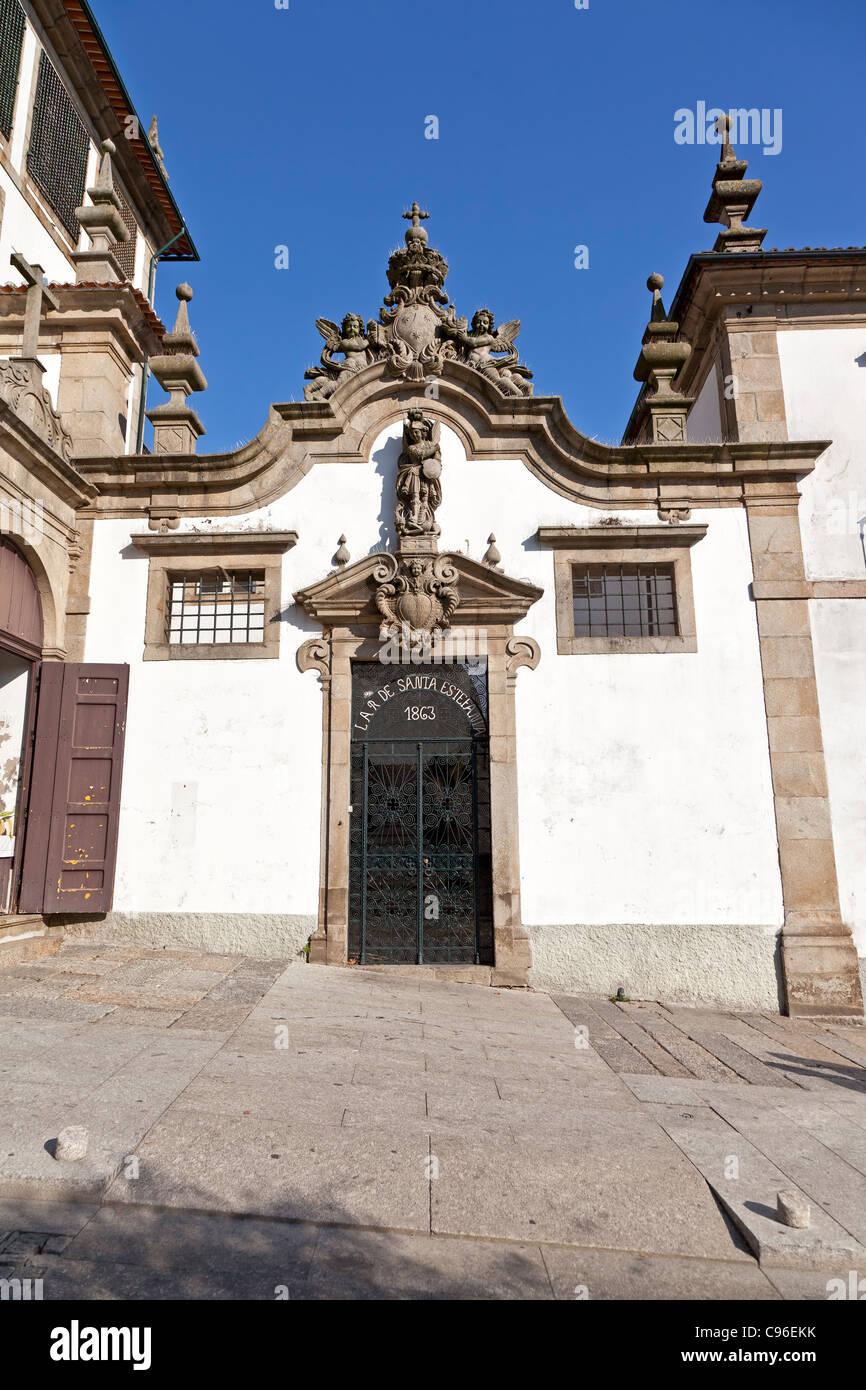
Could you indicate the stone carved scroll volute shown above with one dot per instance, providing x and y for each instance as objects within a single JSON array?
[
  {"x": 315, "y": 655},
  {"x": 520, "y": 651}
]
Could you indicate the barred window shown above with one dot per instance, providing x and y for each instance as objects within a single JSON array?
[
  {"x": 124, "y": 251},
  {"x": 11, "y": 38},
  {"x": 216, "y": 608},
  {"x": 624, "y": 601},
  {"x": 59, "y": 144}
]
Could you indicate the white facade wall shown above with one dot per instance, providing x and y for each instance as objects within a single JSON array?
[
  {"x": 705, "y": 416},
  {"x": 644, "y": 784},
  {"x": 824, "y": 380}
]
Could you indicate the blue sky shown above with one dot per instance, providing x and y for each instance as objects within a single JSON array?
[{"x": 305, "y": 127}]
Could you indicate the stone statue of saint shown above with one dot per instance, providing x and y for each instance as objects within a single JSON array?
[{"x": 419, "y": 490}]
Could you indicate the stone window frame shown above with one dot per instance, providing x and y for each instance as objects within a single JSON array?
[
  {"x": 195, "y": 553},
  {"x": 626, "y": 545}
]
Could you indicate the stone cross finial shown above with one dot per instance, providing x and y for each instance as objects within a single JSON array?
[
  {"x": 733, "y": 196},
  {"x": 415, "y": 214},
  {"x": 723, "y": 128},
  {"x": 37, "y": 293}
]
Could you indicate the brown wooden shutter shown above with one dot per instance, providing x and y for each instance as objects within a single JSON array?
[
  {"x": 71, "y": 833},
  {"x": 20, "y": 605}
]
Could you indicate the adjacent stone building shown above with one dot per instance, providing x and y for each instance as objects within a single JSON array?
[
  {"x": 85, "y": 215},
  {"x": 425, "y": 678}
]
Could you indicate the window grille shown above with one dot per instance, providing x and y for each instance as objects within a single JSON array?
[
  {"x": 624, "y": 601},
  {"x": 59, "y": 145},
  {"x": 11, "y": 38},
  {"x": 124, "y": 251},
  {"x": 216, "y": 608}
]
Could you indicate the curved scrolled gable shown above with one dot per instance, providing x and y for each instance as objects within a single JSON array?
[{"x": 490, "y": 425}]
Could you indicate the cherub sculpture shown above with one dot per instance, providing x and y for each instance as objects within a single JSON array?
[
  {"x": 477, "y": 344},
  {"x": 419, "y": 491},
  {"x": 349, "y": 339}
]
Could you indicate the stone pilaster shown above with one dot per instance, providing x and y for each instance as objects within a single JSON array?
[
  {"x": 757, "y": 398},
  {"x": 103, "y": 332},
  {"x": 78, "y": 594},
  {"x": 819, "y": 960}
]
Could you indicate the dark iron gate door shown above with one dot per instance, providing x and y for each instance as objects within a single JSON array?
[{"x": 420, "y": 870}]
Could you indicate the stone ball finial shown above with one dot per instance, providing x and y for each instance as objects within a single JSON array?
[
  {"x": 108, "y": 147},
  {"x": 184, "y": 291},
  {"x": 655, "y": 281}
]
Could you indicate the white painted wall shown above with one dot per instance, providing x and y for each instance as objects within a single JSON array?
[
  {"x": 21, "y": 230},
  {"x": 824, "y": 379},
  {"x": 222, "y": 764},
  {"x": 14, "y": 680},
  {"x": 705, "y": 416},
  {"x": 644, "y": 781}
]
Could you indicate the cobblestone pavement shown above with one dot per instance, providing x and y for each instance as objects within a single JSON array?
[{"x": 258, "y": 1130}]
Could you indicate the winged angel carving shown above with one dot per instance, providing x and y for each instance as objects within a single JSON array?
[
  {"x": 476, "y": 346},
  {"x": 350, "y": 339},
  {"x": 414, "y": 334}
]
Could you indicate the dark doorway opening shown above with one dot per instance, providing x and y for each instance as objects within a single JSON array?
[{"x": 420, "y": 871}]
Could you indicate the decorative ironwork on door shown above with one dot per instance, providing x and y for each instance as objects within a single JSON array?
[{"x": 420, "y": 873}]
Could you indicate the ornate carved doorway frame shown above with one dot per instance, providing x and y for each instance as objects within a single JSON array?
[{"x": 332, "y": 656}]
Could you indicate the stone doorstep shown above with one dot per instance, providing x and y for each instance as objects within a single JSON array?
[
  {"x": 27, "y": 936},
  {"x": 450, "y": 974}
]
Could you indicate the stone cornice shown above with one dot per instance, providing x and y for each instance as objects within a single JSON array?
[
  {"x": 615, "y": 537},
  {"x": 345, "y": 597},
  {"x": 535, "y": 430},
  {"x": 31, "y": 450},
  {"x": 203, "y": 543},
  {"x": 808, "y": 588},
  {"x": 88, "y": 309}
]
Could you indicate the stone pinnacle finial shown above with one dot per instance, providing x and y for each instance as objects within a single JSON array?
[
  {"x": 181, "y": 323},
  {"x": 176, "y": 426},
  {"x": 660, "y": 362},
  {"x": 342, "y": 556},
  {"x": 655, "y": 282},
  {"x": 492, "y": 556},
  {"x": 733, "y": 197},
  {"x": 101, "y": 219},
  {"x": 105, "y": 173}
]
